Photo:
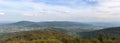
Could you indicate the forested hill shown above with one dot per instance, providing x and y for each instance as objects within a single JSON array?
[
  {"x": 113, "y": 32},
  {"x": 51, "y": 36},
  {"x": 42, "y": 34},
  {"x": 39, "y": 36}
]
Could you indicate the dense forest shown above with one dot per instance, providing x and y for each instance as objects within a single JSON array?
[{"x": 52, "y": 36}]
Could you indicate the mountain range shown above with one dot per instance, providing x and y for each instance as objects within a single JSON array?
[
  {"x": 49, "y": 24},
  {"x": 72, "y": 27}
]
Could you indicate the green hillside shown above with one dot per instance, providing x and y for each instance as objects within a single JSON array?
[
  {"x": 51, "y": 36},
  {"x": 113, "y": 32}
]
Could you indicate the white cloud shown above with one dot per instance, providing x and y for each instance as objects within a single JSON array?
[
  {"x": 29, "y": 14},
  {"x": 2, "y": 12},
  {"x": 106, "y": 10}
]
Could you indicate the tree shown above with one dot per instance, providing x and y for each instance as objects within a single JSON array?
[{"x": 101, "y": 37}]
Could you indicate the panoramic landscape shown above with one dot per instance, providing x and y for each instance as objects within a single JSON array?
[{"x": 59, "y": 21}]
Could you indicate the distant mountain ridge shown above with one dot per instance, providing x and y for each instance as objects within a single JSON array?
[
  {"x": 107, "y": 24},
  {"x": 71, "y": 27},
  {"x": 48, "y": 24}
]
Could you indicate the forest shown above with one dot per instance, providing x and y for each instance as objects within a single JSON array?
[{"x": 51, "y": 36}]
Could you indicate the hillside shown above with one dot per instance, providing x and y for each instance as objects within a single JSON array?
[
  {"x": 49, "y": 36},
  {"x": 113, "y": 32},
  {"x": 38, "y": 36},
  {"x": 43, "y": 34}
]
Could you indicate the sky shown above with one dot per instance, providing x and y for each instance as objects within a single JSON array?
[{"x": 60, "y": 10}]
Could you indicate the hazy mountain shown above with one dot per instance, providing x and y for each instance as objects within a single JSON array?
[
  {"x": 21, "y": 23},
  {"x": 72, "y": 27},
  {"x": 49, "y": 24},
  {"x": 105, "y": 24}
]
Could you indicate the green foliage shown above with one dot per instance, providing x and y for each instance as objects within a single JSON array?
[
  {"x": 50, "y": 36},
  {"x": 36, "y": 41},
  {"x": 72, "y": 40}
]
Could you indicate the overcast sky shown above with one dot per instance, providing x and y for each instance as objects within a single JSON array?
[{"x": 60, "y": 10}]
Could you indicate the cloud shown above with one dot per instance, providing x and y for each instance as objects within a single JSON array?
[
  {"x": 29, "y": 14},
  {"x": 108, "y": 9},
  {"x": 2, "y": 12},
  {"x": 105, "y": 10}
]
